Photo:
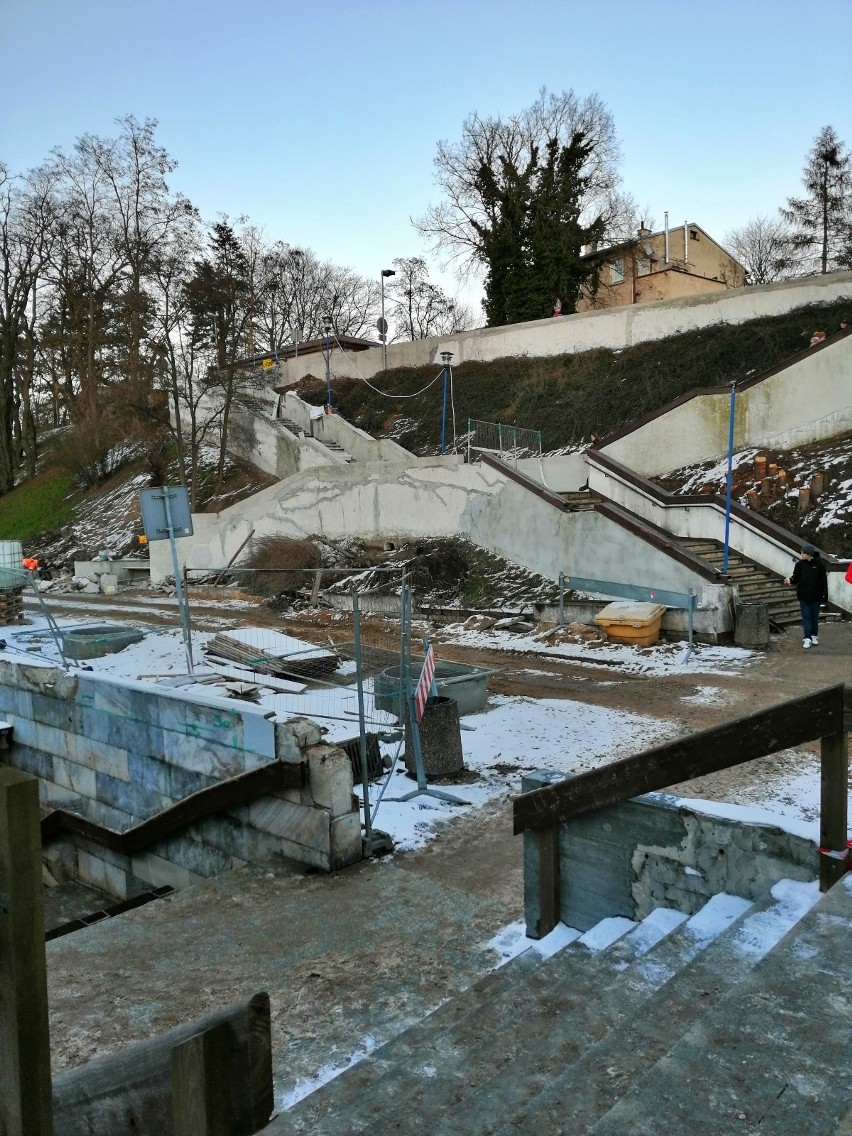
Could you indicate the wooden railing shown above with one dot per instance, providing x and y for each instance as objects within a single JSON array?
[
  {"x": 824, "y": 716},
  {"x": 216, "y": 798},
  {"x": 210, "y": 1076}
]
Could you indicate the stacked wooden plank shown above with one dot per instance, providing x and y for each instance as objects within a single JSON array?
[
  {"x": 11, "y": 606},
  {"x": 264, "y": 651}
]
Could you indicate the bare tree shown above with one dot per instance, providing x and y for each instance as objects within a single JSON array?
[
  {"x": 455, "y": 225},
  {"x": 25, "y": 212},
  {"x": 420, "y": 308},
  {"x": 765, "y": 248}
]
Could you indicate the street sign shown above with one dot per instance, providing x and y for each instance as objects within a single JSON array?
[
  {"x": 382, "y": 325},
  {"x": 165, "y": 512}
]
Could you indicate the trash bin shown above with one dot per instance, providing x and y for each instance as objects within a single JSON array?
[
  {"x": 752, "y": 624},
  {"x": 440, "y": 740}
]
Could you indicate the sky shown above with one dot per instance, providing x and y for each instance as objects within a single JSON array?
[{"x": 319, "y": 122}]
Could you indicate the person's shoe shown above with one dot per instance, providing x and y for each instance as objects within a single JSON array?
[
  {"x": 814, "y": 641},
  {"x": 806, "y": 643}
]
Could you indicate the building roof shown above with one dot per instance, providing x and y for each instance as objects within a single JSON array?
[
  {"x": 309, "y": 347},
  {"x": 623, "y": 246}
]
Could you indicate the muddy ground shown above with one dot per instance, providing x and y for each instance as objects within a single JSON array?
[{"x": 350, "y": 959}]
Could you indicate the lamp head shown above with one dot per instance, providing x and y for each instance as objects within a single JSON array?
[
  {"x": 446, "y": 356},
  {"x": 388, "y": 272}
]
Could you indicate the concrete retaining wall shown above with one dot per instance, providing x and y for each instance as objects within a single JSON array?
[
  {"x": 654, "y": 851},
  {"x": 269, "y": 445},
  {"x": 707, "y": 522},
  {"x": 119, "y": 752},
  {"x": 809, "y": 400},
  {"x": 441, "y": 497},
  {"x": 614, "y": 328},
  {"x": 360, "y": 445}
]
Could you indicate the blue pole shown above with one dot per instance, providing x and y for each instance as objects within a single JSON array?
[
  {"x": 444, "y": 408},
  {"x": 730, "y": 480},
  {"x": 328, "y": 370}
]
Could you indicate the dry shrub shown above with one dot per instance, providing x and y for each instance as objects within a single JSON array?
[{"x": 270, "y": 554}]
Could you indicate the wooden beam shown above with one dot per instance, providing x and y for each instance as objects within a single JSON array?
[
  {"x": 131, "y": 1091},
  {"x": 833, "y": 820},
  {"x": 791, "y": 723},
  {"x": 237, "y": 790},
  {"x": 548, "y": 879},
  {"x": 201, "y": 1098},
  {"x": 24, "y": 1034}
]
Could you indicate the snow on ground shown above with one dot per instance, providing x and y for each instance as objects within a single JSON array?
[
  {"x": 663, "y": 659},
  {"x": 511, "y": 737}
]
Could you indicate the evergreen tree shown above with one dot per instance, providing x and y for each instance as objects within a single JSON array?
[
  {"x": 822, "y": 219},
  {"x": 531, "y": 246}
]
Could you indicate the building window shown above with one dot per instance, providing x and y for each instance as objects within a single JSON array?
[
  {"x": 693, "y": 234},
  {"x": 643, "y": 266},
  {"x": 618, "y": 271}
]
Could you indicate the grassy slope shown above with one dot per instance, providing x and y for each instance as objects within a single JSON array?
[
  {"x": 43, "y": 504},
  {"x": 569, "y": 397}
]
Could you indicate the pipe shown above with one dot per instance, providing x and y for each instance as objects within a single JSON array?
[
  {"x": 666, "y": 228},
  {"x": 685, "y": 243}
]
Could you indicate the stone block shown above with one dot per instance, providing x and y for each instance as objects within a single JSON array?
[
  {"x": 103, "y": 758},
  {"x": 15, "y": 702},
  {"x": 200, "y": 755},
  {"x": 157, "y": 872},
  {"x": 97, "y": 872},
  {"x": 56, "y": 712},
  {"x": 108, "y": 815},
  {"x": 223, "y": 831},
  {"x": 209, "y": 723},
  {"x": 168, "y": 713},
  {"x": 57, "y": 797},
  {"x": 330, "y": 779},
  {"x": 259, "y": 739},
  {"x": 70, "y": 775},
  {"x": 30, "y": 760},
  {"x": 306, "y": 732},
  {"x": 303, "y": 826},
  {"x": 48, "y": 739},
  {"x": 122, "y": 698},
  {"x": 170, "y": 781},
  {"x": 287, "y": 746},
  {"x": 116, "y": 730},
  {"x": 130, "y": 797},
  {"x": 185, "y": 850},
  {"x": 345, "y": 841}
]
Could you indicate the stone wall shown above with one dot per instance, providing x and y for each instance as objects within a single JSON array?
[
  {"x": 611, "y": 327},
  {"x": 655, "y": 851},
  {"x": 118, "y": 752}
]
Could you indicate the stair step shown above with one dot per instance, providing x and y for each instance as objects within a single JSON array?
[
  {"x": 577, "y": 1098},
  {"x": 416, "y": 1077},
  {"x": 797, "y": 1087}
]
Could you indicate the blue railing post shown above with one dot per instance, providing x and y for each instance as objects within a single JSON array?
[{"x": 730, "y": 480}]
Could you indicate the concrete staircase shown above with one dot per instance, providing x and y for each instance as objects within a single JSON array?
[
  {"x": 332, "y": 447},
  {"x": 734, "y": 1020},
  {"x": 753, "y": 581},
  {"x": 336, "y": 448},
  {"x": 292, "y": 426},
  {"x": 580, "y": 501}
]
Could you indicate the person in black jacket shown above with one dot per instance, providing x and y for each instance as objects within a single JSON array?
[{"x": 811, "y": 584}]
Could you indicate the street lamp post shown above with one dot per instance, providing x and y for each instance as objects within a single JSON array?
[
  {"x": 298, "y": 257},
  {"x": 327, "y": 325},
  {"x": 384, "y": 329},
  {"x": 446, "y": 356}
]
